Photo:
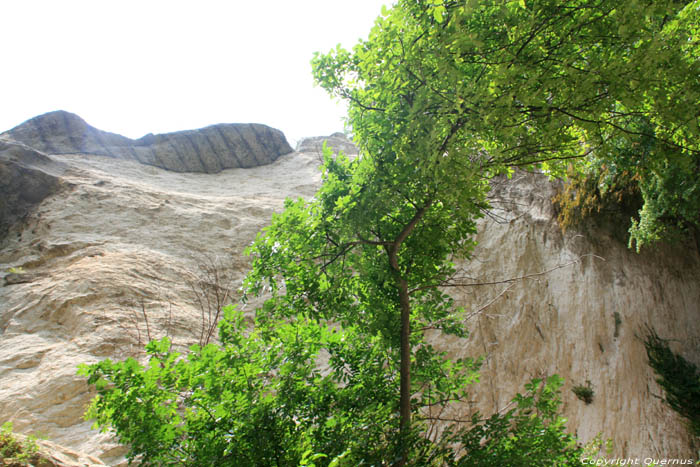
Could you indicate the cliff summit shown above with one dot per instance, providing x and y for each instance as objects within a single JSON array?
[{"x": 206, "y": 150}]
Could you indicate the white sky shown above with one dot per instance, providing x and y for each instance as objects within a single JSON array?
[{"x": 150, "y": 66}]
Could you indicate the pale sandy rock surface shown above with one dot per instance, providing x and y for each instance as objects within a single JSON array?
[
  {"x": 122, "y": 233},
  {"x": 560, "y": 317},
  {"x": 123, "y": 237}
]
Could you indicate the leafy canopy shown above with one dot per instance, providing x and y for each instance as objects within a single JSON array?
[
  {"x": 470, "y": 89},
  {"x": 260, "y": 399}
]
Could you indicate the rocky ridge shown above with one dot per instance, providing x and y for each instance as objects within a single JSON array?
[
  {"x": 207, "y": 150},
  {"x": 115, "y": 256}
]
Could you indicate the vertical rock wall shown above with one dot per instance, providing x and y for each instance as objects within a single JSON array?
[{"x": 579, "y": 304}]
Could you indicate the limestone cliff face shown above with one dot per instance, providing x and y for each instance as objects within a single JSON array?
[
  {"x": 209, "y": 150},
  {"x": 122, "y": 241},
  {"x": 578, "y": 305},
  {"x": 118, "y": 254}
]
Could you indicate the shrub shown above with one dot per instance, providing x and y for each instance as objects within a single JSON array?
[
  {"x": 584, "y": 393},
  {"x": 15, "y": 452},
  {"x": 679, "y": 378}
]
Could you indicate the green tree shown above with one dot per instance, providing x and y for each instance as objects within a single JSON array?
[
  {"x": 370, "y": 251},
  {"x": 444, "y": 96}
]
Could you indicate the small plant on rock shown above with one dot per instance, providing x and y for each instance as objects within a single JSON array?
[
  {"x": 15, "y": 452},
  {"x": 584, "y": 393}
]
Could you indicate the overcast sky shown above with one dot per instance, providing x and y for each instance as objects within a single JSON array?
[{"x": 152, "y": 66}]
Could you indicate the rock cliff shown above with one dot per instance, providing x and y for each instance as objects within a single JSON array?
[
  {"x": 208, "y": 150},
  {"x": 122, "y": 252}
]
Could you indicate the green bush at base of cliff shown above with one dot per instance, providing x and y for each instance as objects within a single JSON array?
[{"x": 260, "y": 399}]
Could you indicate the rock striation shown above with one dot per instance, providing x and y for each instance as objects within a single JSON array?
[
  {"x": 110, "y": 262},
  {"x": 207, "y": 150}
]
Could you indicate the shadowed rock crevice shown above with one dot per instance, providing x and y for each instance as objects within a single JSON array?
[
  {"x": 243, "y": 144},
  {"x": 26, "y": 178}
]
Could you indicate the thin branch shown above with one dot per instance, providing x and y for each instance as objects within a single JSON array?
[{"x": 504, "y": 281}]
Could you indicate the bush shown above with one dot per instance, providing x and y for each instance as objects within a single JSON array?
[
  {"x": 679, "y": 378},
  {"x": 584, "y": 393},
  {"x": 15, "y": 452},
  {"x": 260, "y": 399},
  {"x": 532, "y": 433}
]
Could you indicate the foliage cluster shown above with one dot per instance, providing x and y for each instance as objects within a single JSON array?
[
  {"x": 584, "y": 392},
  {"x": 649, "y": 168},
  {"x": 532, "y": 433},
  {"x": 598, "y": 196},
  {"x": 15, "y": 452},
  {"x": 609, "y": 89},
  {"x": 679, "y": 378},
  {"x": 260, "y": 399},
  {"x": 256, "y": 399}
]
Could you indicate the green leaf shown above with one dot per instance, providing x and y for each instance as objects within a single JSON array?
[{"x": 439, "y": 13}]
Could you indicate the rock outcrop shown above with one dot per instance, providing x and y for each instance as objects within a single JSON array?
[
  {"x": 337, "y": 142},
  {"x": 208, "y": 150},
  {"x": 126, "y": 241},
  {"x": 116, "y": 259}
]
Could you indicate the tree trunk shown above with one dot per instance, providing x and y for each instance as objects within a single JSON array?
[
  {"x": 405, "y": 344},
  {"x": 405, "y": 368}
]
